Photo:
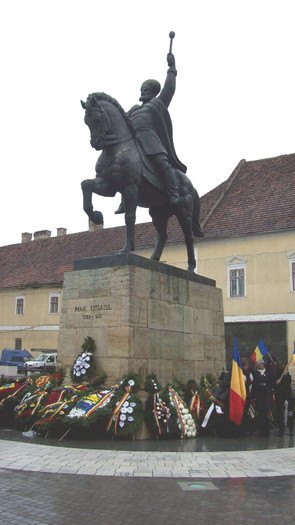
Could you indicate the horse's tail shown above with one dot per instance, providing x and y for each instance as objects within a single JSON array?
[{"x": 196, "y": 226}]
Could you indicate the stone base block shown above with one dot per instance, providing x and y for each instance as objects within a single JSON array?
[{"x": 144, "y": 316}]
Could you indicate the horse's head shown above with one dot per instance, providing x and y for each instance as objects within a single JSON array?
[
  {"x": 107, "y": 121},
  {"x": 96, "y": 120}
]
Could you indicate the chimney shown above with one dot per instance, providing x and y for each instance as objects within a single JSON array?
[
  {"x": 61, "y": 231},
  {"x": 42, "y": 234},
  {"x": 26, "y": 237},
  {"x": 94, "y": 227}
]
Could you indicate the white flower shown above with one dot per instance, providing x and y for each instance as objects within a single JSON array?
[
  {"x": 78, "y": 373},
  {"x": 84, "y": 354},
  {"x": 189, "y": 434},
  {"x": 131, "y": 382},
  {"x": 87, "y": 358},
  {"x": 129, "y": 410},
  {"x": 123, "y": 410},
  {"x": 83, "y": 371},
  {"x": 122, "y": 417},
  {"x": 121, "y": 423},
  {"x": 130, "y": 418},
  {"x": 125, "y": 404}
]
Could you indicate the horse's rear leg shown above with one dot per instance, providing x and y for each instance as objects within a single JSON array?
[
  {"x": 185, "y": 221},
  {"x": 160, "y": 222}
]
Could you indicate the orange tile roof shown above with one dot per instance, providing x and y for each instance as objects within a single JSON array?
[{"x": 258, "y": 197}]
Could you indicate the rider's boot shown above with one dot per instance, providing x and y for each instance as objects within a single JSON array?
[
  {"x": 121, "y": 208},
  {"x": 171, "y": 186}
]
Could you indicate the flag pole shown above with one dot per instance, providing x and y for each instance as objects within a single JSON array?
[
  {"x": 286, "y": 368},
  {"x": 270, "y": 357}
]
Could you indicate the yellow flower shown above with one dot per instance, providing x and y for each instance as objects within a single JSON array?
[{"x": 93, "y": 397}]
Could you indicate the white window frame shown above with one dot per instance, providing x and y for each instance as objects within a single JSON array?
[
  {"x": 235, "y": 263},
  {"x": 291, "y": 258},
  {"x": 52, "y": 295},
  {"x": 17, "y": 298}
]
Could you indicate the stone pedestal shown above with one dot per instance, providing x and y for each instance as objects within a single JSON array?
[{"x": 144, "y": 316}]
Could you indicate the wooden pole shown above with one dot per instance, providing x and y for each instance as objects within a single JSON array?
[{"x": 286, "y": 368}]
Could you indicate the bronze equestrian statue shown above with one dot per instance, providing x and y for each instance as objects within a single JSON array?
[{"x": 138, "y": 160}]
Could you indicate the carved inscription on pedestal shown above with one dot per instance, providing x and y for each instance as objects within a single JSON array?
[{"x": 95, "y": 311}]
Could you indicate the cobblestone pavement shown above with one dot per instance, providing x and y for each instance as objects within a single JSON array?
[{"x": 44, "y": 484}]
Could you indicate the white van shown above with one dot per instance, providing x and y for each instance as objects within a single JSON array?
[{"x": 44, "y": 362}]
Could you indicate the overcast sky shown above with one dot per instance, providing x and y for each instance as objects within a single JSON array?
[{"x": 234, "y": 98}]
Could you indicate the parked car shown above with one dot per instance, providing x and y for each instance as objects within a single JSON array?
[
  {"x": 15, "y": 358},
  {"x": 44, "y": 362}
]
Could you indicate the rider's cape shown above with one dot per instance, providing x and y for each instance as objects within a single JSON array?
[{"x": 164, "y": 129}]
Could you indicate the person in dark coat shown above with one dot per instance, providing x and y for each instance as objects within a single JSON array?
[
  {"x": 283, "y": 392},
  {"x": 262, "y": 391}
]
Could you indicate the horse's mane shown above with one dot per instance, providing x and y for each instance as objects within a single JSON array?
[{"x": 104, "y": 96}]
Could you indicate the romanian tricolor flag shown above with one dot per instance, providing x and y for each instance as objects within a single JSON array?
[
  {"x": 259, "y": 353},
  {"x": 237, "y": 396}
]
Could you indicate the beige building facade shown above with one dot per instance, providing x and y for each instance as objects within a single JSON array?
[
  {"x": 30, "y": 318},
  {"x": 248, "y": 249}
]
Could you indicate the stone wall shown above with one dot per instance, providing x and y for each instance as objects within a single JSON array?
[{"x": 144, "y": 317}]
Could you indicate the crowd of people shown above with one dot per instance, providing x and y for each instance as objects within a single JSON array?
[{"x": 268, "y": 387}]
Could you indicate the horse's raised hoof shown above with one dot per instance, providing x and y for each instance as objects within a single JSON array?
[{"x": 96, "y": 217}]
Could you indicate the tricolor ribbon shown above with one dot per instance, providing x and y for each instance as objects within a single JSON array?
[
  {"x": 100, "y": 402},
  {"x": 17, "y": 391},
  {"x": 176, "y": 400},
  {"x": 157, "y": 399},
  {"x": 47, "y": 408},
  {"x": 39, "y": 399},
  {"x": 195, "y": 404},
  {"x": 116, "y": 412}
]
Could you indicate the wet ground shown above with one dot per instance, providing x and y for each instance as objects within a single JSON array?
[{"x": 237, "y": 481}]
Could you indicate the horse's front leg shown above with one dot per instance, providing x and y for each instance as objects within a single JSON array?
[
  {"x": 100, "y": 187},
  {"x": 160, "y": 221},
  {"x": 130, "y": 197}
]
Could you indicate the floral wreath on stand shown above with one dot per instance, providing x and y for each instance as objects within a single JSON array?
[
  {"x": 84, "y": 366},
  {"x": 127, "y": 408}
]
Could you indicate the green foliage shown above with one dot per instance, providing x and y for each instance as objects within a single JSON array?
[
  {"x": 132, "y": 381},
  {"x": 152, "y": 384}
]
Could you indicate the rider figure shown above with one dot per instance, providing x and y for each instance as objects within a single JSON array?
[{"x": 154, "y": 130}]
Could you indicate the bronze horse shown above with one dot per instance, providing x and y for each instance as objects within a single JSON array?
[{"x": 122, "y": 167}]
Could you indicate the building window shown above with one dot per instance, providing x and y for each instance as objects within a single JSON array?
[
  {"x": 19, "y": 305},
  {"x": 53, "y": 304},
  {"x": 236, "y": 277},
  {"x": 18, "y": 343},
  {"x": 237, "y": 282}
]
